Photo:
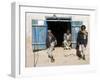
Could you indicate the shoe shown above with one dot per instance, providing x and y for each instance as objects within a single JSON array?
[
  {"x": 69, "y": 48},
  {"x": 53, "y": 48},
  {"x": 84, "y": 57},
  {"x": 49, "y": 56},
  {"x": 52, "y": 59},
  {"x": 66, "y": 48}
]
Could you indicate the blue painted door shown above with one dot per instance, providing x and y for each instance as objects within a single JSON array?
[
  {"x": 39, "y": 33},
  {"x": 75, "y": 29}
]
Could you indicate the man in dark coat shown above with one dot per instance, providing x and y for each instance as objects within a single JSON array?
[{"x": 82, "y": 39}]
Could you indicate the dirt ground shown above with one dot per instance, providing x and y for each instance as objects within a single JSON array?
[{"x": 62, "y": 57}]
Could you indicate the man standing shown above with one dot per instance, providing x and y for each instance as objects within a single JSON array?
[
  {"x": 82, "y": 39},
  {"x": 67, "y": 40},
  {"x": 51, "y": 42}
]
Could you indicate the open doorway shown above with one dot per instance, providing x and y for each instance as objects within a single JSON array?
[{"x": 59, "y": 26}]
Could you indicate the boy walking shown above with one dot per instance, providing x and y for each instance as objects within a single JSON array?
[{"x": 51, "y": 42}]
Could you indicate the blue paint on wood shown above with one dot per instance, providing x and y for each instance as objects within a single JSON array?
[
  {"x": 75, "y": 29},
  {"x": 39, "y": 33}
]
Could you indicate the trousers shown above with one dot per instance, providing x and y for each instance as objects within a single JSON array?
[
  {"x": 82, "y": 49},
  {"x": 50, "y": 49},
  {"x": 66, "y": 44}
]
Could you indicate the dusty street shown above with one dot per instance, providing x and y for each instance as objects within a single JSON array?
[{"x": 62, "y": 57}]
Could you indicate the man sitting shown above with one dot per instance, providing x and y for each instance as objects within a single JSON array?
[{"x": 67, "y": 40}]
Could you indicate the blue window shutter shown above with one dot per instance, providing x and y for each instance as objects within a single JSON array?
[
  {"x": 39, "y": 32},
  {"x": 75, "y": 29}
]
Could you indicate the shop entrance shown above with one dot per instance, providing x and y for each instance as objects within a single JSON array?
[{"x": 59, "y": 26}]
